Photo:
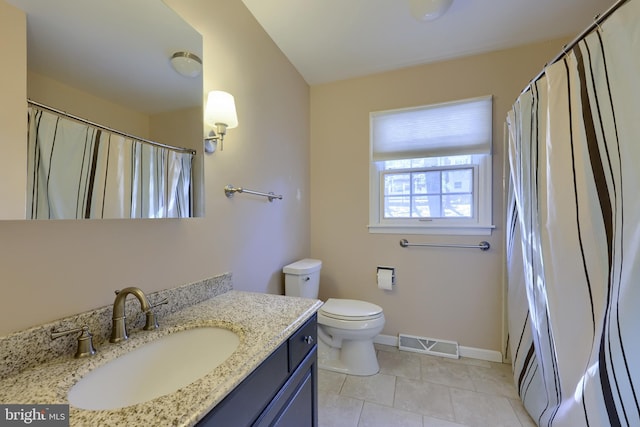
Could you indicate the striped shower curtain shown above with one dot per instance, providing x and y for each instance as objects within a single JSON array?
[
  {"x": 573, "y": 226},
  {"x": 76, "y": 170}
]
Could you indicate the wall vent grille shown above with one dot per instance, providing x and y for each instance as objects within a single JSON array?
[{"x": 426, "y": 345}]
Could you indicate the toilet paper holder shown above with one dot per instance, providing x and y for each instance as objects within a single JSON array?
[{"x": 383, "y": 274}]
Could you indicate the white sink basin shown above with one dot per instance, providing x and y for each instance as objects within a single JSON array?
[{"x": 155, "y": 369}]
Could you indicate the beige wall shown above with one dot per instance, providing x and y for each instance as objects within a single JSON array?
[
  {"x": 451, "y": 294},
  {"x": 13, "y": 107},
  {"x": 51, "y": 269},
  {"x": 79, "y": 103}
]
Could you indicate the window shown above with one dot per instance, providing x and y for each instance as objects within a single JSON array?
[
  {"x": 428, "y": 192},
  {"x": 431, "y": 169}
]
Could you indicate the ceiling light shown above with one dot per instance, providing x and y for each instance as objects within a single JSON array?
[
  {"x": 428, "y": 10},
  {"x": 187, "y": 64}
]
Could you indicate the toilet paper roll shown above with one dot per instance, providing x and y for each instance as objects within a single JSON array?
[{"x": 385, "y": 278}]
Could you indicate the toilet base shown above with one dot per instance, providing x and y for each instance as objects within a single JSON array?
[{"x": 352, "y": 358}]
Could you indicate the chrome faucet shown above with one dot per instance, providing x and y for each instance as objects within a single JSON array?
[{"x": 119, "y": 328}]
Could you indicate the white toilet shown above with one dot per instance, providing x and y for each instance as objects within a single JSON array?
[{"x": 346, "y": 328}]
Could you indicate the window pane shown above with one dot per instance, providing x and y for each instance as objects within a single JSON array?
[
  {"x": 419, "y": 183},
  {"x": 455, "y": 160},
  {"x": 458, "y": 205},
  {"x": 428, "y": 162},
  {"x": 397, "y": 164},
  {"x": 397, "y": 207},
  {"x": 457, "y": 181},
  {"x": 436, "y": 192},
  {"x": 433, "y": 182},
  {"x": 397, "y": 184},
  {"x": 426, "y": 206}
]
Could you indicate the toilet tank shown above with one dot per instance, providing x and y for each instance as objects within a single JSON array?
[{"x": 302, "y": 278}]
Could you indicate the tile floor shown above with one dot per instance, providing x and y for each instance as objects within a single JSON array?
[{"x": 417, "y": 390}]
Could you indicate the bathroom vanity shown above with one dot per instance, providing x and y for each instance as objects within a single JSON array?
[{"x": 270, "y": 379}]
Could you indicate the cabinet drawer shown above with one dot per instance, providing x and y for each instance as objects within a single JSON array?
[{"x": 302, "y": 341}]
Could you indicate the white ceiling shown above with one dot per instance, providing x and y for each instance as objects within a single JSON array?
[
  {"x": 92, "y": 43},
  {"x": 118, "y": 50},
  {"x": 329, "y": 40}
]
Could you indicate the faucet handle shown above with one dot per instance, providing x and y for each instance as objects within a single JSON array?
[
  {"x": 85, "y": 340},
  {"x": 151, "y": 322},
  {"x": 161, "y": 302}
]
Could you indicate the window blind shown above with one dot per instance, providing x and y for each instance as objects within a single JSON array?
[{"x": 447, "y": 129}]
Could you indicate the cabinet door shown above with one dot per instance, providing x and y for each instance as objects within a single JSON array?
[
  {"x": 300, "y": 409},
  {"x": 297, "y": 403}
]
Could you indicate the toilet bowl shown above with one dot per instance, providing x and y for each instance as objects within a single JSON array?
[{"x": 346, "y": 327}]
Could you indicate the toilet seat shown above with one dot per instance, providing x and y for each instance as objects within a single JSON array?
[{"x": 350, "y": 310}]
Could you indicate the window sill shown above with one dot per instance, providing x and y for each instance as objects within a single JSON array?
[{"x": 459, "y": 230}]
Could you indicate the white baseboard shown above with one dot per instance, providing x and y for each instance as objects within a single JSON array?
[
  {"x": 471, "y": 352},
  {"x": 386, "y": 340},
  {"x": 480, "y": 353}
]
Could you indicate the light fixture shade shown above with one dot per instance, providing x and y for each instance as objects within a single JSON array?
[
  {"x": 429, "y": 10},
  {"x": 221, "y": 108},
  {"x": 186, "y": 64}
]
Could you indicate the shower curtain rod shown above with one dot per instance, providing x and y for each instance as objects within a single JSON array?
[
  {"x": 108, "y": 129},
  {"x": 566, "y": 48}
]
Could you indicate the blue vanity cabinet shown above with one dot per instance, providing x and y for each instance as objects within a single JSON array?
[{"x": 281, "y": 392}]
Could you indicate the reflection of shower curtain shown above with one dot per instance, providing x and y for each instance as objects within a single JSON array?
[
  {"x": 574, "y": 232},
  {"x": 79, "y": 171}
]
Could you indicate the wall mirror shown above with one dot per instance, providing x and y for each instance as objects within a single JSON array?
[{"x": 109, "y": 62}]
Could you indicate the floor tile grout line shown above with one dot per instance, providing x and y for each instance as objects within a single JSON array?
[
  {"x": 453, "y": 407},
  {"x": 361, "y": 410},
  {"x": 395, "y": 388},
  {"x": 344, "y": 380}
]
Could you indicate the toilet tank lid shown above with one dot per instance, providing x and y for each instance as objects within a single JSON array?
[
  {"x": 304, "y": 266},
  {"x": 350, "y": 308}
]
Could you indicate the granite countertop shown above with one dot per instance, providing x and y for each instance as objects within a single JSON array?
[{"x": 262, "y": 321}]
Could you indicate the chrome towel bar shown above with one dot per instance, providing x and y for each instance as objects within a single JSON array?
[
  {"x": 482, "y": 245},
  {"x": 229, "y": 190}
]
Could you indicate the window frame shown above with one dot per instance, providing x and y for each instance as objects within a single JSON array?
[
  {"x": 481, "y": 222},
  {"x": 479, "y": 225}
]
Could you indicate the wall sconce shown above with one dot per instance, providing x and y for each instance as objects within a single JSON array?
[{"x": 220, "y": 113}]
